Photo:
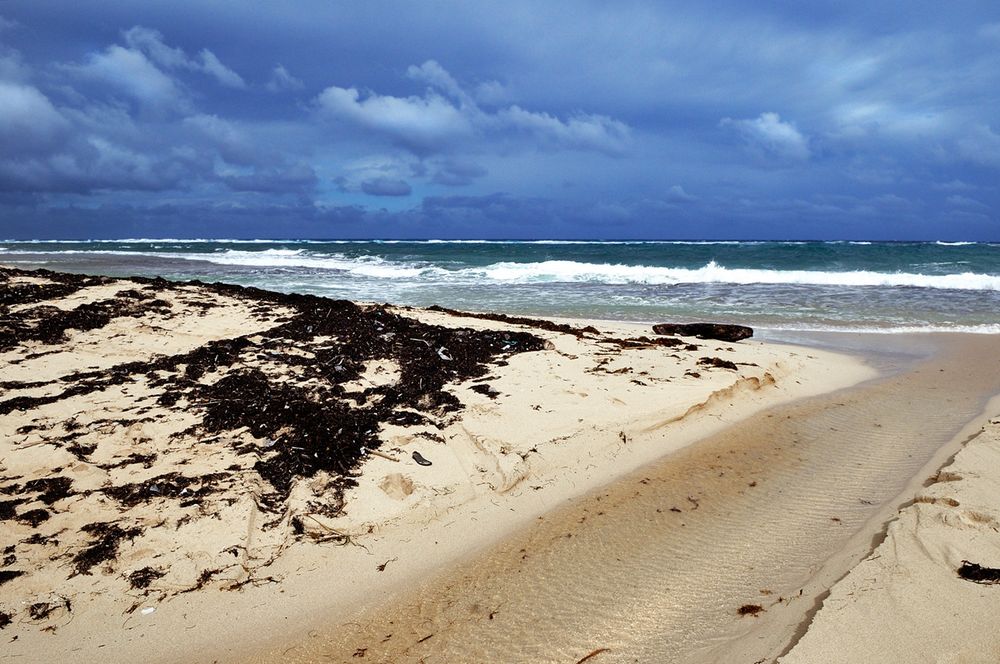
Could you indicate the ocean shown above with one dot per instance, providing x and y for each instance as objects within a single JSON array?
[{"x": 794, "y": 286}]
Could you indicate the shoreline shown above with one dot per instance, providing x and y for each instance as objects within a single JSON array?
[{"x": 501, "y": 465}]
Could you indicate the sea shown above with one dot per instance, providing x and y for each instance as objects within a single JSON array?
[{"x": 792, "y": 286}]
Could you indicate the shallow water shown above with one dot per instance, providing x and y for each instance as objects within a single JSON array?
[{"x": 656, "y": 566}]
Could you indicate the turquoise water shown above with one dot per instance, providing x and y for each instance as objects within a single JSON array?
[{"x": 882, "y": 286}]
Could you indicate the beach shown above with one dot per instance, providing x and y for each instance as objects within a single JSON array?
[{"x": 207, "y": 472}]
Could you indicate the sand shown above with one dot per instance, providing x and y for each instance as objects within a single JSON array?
[
  {"x": 173, "y": 543},
  {"x": 906, "y": 601},
  {"x": 430, "y": 486}
]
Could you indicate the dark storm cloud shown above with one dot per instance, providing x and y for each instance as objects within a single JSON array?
[{"x": 630, "y": 119}]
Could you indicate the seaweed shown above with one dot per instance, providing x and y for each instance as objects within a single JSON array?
[
  {"x": 5, "y": 619},
  {"x": 169, "y": 485},
  {"x": 978, "y": 574},
  {"x": 104, "y": 546},
  {"x": 311, "y": 424},
  {"x": 750, "y": 610},
  {"x": 538, "y": 323},
  {"x": 7, "y": 510},
  {"x": 718, "y": 363},
  {"x": 9, "y": 574},
  {"x": 51, "y": 488},
  {"x": 141, "y": 578},
  {"x": 33, "y": 517}
]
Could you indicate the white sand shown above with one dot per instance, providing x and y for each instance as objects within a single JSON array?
[
  {"x": 567, "y": 420},
  {"x": 906, "y": 602}
]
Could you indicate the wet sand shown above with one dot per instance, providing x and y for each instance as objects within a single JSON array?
[{"x": 763, "y": 517}]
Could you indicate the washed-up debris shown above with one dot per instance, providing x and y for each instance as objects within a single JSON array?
[
  {"x": 750, "y": 610},
  {"x": 141, "y": 578},
  {"x": 719, "y": 331},
  {"x": 592, "y": 654},
  {"x": 8, "y": 574},
  {"x": 107, "y": 537},
  {"x": 520, "y": 320},
  {"x": 978, "y": 574},
  {"x": 717, "y": 363},
  {"x": 283, "y": 401}
]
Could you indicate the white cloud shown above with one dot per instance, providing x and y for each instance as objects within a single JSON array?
[
  {"x": 282, "y": 80},
  {"x": 434, "y": 75},
  {"x": 433, "y": 122},
  {"x": 132, "y": 73},
  {"x": 151, "y": 43},
  {"x": 211, "y": 65},
  {"x": 420, "y": 123},
  {"x": 676, "y": 194},
  {"x": 770, "y": 135},
  {"x": 28, "y": 120}
]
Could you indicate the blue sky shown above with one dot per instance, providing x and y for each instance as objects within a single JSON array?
[{"x": 865, "y": 120}]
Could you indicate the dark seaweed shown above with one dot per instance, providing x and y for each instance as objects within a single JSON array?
[
  {"x": 717, "y": 363},
  {"x": 979, "y": 574},
  {"x": 5, "y": 619},
  {"x": 311, "y": 424},
  {"x": 107, "y": 538},
  {"x": 51, "y": 488},
  {"x": 141, "y": 578},
  {"x": 7, "y": 510},
  {"x": 33, "y": 517},
  {"x": 537, "y": 323},
  {"x": 9, "y": 574}
]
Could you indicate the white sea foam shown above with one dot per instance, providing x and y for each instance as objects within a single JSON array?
[
  {"x": 559, "y": 271},
  {"x": 577, "y": 272}
]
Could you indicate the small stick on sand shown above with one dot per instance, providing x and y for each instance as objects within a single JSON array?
[
  {"x": 592, "y": 653},
  {"x": 383, "y": 455}
]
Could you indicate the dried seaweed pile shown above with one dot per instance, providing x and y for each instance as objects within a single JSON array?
[{"x": 287, "y": 399}]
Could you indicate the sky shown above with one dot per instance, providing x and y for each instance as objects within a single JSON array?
[{"x": 500, "y": 120}]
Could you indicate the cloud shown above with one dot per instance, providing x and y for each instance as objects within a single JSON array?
[
  {"x": 299, "y": 178},
  {"x": 151, "y": 43},
  {"x": 436, "y": 122},
  {"x": 132, "y": 73},
  {"x": 211, "y": 65},
  {"x": 456, "y": 173},
  {"x": 281, "y": 80},
  {"x": 386, "y": 187},
  {"x": 92, "y": 164},
  {"x": 981, "y": 145},
  {"x": 582, "y": 131},
  {"x": 769, "y": 135},
  {"x": 28, "y": 120},
  {"x": 232, "y": 143},
  {"x": 965, "y": 201},
  {"x": 434, "y": 74},
  {"x": 676, "y": 194},
  {"x": 421, "y": 124}
]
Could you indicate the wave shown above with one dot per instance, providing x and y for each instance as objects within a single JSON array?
[
  {"x": 560, "y": 271},
  {"x": 556, "y": 271},
  {"x": 942, "y": 243}
]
